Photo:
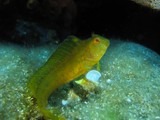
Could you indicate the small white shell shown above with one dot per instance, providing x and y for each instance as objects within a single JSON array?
[
  {"x": 93, "y": 76},
  {"x": 65, "y": 102}
]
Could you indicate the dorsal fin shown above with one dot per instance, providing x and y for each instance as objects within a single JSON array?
[{"x": 64, "y": 50}]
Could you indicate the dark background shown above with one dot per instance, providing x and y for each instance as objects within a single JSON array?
[{"x": 120, "y": 19}]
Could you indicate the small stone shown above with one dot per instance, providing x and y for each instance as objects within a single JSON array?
[
  {"x": 93, "y": 76},
  {"x": 109, "y": 81}
]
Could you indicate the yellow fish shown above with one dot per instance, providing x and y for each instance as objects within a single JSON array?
[{"x": 72, "y": 58}]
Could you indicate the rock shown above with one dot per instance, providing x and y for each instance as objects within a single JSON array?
[
  {"x": 129, "y": 86},
  {"x": 154, "y": 4}
]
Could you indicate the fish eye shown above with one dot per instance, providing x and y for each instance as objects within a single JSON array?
[{"x": 96, "y": 40}]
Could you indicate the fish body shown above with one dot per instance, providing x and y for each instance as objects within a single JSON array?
[{"x": 72, "y": 58}]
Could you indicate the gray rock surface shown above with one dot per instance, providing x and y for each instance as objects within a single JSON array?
[{"x": 129, "y": 87}]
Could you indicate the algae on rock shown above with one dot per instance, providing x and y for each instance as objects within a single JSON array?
[{"x": 16, "y": 65}]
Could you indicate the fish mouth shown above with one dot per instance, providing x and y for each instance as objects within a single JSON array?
[{"x": 106, "y": 42}]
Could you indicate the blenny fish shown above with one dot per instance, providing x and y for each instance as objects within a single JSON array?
[{"x": 73, "y": 58}]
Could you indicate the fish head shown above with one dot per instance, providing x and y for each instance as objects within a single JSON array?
[{"x": 97, "y": 47}]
